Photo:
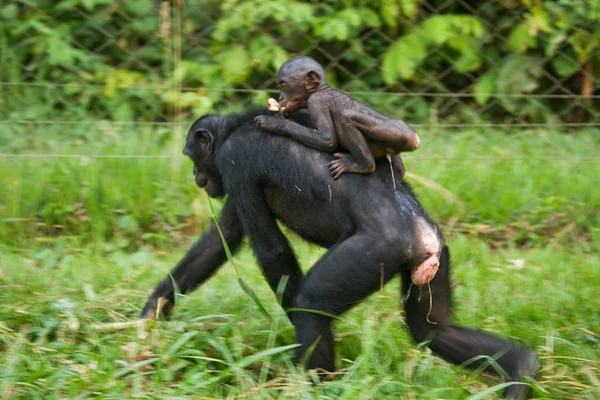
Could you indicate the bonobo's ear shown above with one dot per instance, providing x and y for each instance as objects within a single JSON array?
[
  {"x": 313, "y": 81},
  {"x": 205, "y": 139}
]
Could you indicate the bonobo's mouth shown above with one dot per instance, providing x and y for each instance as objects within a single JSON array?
[
  {"x": 214, "y": 190},
  {"x": 291, "y": 105},
  {"x": 201, "y": 181}
]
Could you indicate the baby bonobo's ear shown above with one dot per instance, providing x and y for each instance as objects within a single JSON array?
[{"x": 313, "y": 81}]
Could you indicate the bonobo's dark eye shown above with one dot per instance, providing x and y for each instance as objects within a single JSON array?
[{"x": 281, "y": 82}]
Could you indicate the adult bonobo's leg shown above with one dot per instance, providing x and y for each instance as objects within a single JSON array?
[
  {"x": 269, "y": 244},
  {"x": 200, "y": 262},
  {"x": 346, "y": 274},
  {"x": 431, "y": 322}
]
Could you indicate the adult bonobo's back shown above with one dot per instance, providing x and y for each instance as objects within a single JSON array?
[{"x": 372, "y": 234}]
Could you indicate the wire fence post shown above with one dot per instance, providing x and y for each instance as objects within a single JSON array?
[{"x": 177, "y": 109}]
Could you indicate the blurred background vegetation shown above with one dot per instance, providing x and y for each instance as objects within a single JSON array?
[
  {"x": 97, "y": 202},
  {"x": 461, "y": 61},
  {"x": 96, "y": 96}
]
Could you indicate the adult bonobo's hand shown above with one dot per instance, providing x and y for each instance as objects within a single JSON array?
[{"x": 270, "y": 123}]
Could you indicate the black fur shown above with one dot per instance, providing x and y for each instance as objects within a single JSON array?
[{"x": 367, "y": 227}]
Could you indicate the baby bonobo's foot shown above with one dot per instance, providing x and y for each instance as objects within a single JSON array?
[
  {"x": 345, "y": 163},
  {"x": 339, "y": 166}
]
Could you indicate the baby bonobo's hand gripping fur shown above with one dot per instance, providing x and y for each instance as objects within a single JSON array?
[{"x": 339, "y": 120}]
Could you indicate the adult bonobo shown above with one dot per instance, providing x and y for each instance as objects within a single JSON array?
[{"x": 371, "y": 232}]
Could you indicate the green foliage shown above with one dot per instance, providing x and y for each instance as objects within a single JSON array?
[
  {"x": 485, "y": 87},
  {"x": 381, "y": 45},
  {"x": 458, "y": 32},
  {"x": 552, "y": 38}
]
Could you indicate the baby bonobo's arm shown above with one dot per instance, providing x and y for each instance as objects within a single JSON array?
[{"x": 322, "y": 138}]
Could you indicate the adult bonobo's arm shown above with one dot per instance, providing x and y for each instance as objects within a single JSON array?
[
  {"x": 270, "y": 245},
  {"x": 322, "y": 137},
  {"x": 200, "y": 262}
]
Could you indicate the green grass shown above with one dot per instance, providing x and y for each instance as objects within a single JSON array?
[
  {"x": 526, "y": 187},
  {"x": 83, "y": 241},
  {"x": 50, "y": 348}
]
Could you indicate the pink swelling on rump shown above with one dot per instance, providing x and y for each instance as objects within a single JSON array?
[{"x": 426, "y": 271}]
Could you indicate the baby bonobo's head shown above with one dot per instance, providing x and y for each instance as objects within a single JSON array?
[{"x": 298, "y": 78}]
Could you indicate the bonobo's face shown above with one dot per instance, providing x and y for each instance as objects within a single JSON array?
[
  {"x": 293, "y": 92},
  {"x": 199, "y": 148},
  {"x": 298, "y": 78}
]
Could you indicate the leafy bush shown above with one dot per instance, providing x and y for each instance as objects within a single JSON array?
[{"x": 118, "y": 60}]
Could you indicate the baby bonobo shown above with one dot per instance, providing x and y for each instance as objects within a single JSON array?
[{"x": 339, "y": 120}]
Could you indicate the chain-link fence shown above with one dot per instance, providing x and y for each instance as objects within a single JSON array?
[
  {"x": 121, "y": 80},
  {"x": 454, "y": 61}
]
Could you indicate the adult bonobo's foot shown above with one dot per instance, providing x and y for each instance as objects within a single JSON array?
[
  {"x": 154, "y": 308},
  {"x": 528, "y": 366}
]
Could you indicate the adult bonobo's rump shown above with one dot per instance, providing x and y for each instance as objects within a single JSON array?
[{"x": 369, "y": 231}]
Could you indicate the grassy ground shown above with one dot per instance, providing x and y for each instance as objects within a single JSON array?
[
  {"x": 84, "y": 240},
  {"x": 218, "y": 343},
  {"x": 529, "y": 187}
]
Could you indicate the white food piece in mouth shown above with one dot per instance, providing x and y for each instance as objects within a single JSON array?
[{"x": 273, "y": 105}]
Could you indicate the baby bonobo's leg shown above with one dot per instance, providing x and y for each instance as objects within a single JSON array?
[
  {"x": 380, "y": 128},
  {"x": 360, "y": 160}
]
